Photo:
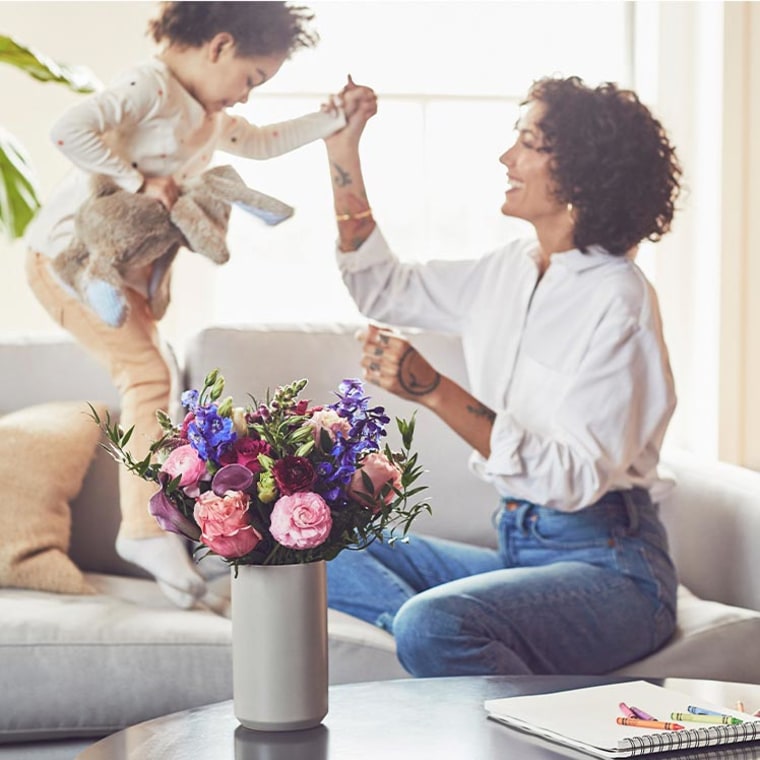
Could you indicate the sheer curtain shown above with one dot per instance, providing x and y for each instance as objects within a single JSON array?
[{"x": 449, "y": 76}]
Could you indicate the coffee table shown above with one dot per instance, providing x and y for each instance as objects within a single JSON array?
[{"x": 419, "y": 719}]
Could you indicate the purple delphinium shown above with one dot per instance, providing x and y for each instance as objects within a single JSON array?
[
  {"x": 189, "y": 400},
  {"x": 367, "y": 427},
  {"x": 209, "y": 433}
]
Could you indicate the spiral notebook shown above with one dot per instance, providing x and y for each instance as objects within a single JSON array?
[{"x": 586, "y": 719}]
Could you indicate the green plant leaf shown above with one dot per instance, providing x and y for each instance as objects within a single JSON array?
[
  {"x": 19, "y": 200},
  {"x": 44, "y": 69}
]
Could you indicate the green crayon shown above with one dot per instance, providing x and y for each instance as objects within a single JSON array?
[{"x": 692, "y": 718}]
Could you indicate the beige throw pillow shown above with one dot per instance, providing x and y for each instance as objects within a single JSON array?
[{"x": 45, "y": 451}]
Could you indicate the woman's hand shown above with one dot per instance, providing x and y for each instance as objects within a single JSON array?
[
  {"x": 163, "y": 189},
  {"x": 356, "y": 97},
  {"x": 391, "y": 362}
]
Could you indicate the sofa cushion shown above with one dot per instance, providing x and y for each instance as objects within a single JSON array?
[
  {"x": 45, "y": 451},
  {"x": 91, "y": 665}
]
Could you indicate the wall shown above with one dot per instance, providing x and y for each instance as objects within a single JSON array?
[
  {"x": 740, "y": 242},
  {"x": 701, "y": 70}
]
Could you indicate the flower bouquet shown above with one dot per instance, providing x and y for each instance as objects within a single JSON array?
[{"x": 278, "y": 482}]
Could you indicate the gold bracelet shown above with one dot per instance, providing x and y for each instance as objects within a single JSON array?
[{"x": 350, "y": 217}]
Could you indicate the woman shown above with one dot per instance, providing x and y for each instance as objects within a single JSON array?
[{"x": 571, "y": 396}]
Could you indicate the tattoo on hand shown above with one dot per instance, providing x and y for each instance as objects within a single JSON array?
[
  {"x": 412, "y": 381},
  {"x": 481, "y": 411},
  {"x": 341, "y": 178}
]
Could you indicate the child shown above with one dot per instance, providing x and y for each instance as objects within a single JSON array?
[{"x": 156, "y": 126}]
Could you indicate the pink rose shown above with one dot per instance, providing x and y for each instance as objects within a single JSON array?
[
  {"x": 301, "y": 520},
  {"x": 329, "y": 420},
  {"x": 246, "y": 451},
  {"x": 380, "y": 471},
  {"x": 224, "y": 525},
  {"x": 185, "y": 462}
]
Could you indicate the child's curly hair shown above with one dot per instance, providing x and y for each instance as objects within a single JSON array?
[
  {"x": 259, "y": 28},
  {"x": 611, "y": 159}
]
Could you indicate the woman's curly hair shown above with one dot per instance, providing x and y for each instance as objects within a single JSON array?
[
  {"x": 259, "y": 28},
  {"x": 611, "y": 159}
]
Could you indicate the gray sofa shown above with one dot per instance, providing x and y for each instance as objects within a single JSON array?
[{"x": 75, "y": 668}]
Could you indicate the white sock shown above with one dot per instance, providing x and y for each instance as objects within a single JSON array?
[
  {"x": 179, "y": 598},
  {"x": 167, "y": 560},
  {"x": 217, "y": 603}
]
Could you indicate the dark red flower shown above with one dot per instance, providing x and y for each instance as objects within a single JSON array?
[
  {"x": 301, "y": 407},
  {"x": 293, "y": 474},
  {"x": 246, "y": 451}
]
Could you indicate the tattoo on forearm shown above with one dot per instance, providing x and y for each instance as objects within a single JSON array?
[
  {"x": 410, "y": 374},
  {"x": 481, "y": 411},
  {"x": 341, "y": 178}
]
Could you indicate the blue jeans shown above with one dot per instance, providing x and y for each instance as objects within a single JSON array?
[{"x": 565, "y": 593}]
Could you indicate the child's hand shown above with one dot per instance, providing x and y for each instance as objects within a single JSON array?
[{"x": 163, "y": 189}]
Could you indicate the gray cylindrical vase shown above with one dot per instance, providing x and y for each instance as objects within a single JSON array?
[{"x": 279, "y": 646}]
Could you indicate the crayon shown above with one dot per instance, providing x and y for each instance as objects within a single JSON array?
[
  {"x": 724, "y": 719},
  {"x": 704, "y": 711},
  {"x": 641, "y": 714},
  {"x": 639, "y": 723}
]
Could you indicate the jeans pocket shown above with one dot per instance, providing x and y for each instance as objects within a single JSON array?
[
  {"x": 541, "y": 539},
  {"x": 569, "y": 532}
]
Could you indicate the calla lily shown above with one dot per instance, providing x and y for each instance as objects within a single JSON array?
[
  {"x": 231, "y": 477},
  {"x": 170, "y": 518}
]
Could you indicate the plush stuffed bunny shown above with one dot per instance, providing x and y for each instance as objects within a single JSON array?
[{"x": 117, "y": 230}]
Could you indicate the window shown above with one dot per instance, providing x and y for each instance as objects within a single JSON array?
[{"x": 449, "y": 76}]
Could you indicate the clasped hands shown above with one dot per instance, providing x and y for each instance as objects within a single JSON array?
[{"x": 355, "y": 100}]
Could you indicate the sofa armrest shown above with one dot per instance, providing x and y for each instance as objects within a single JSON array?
[{"x": 713, "y": 522}]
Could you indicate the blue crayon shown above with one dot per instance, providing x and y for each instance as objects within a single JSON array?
[{"x": 702, "y": 711}]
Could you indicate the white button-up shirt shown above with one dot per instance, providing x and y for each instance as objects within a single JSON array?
[{"x": 573, "y": 363}]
